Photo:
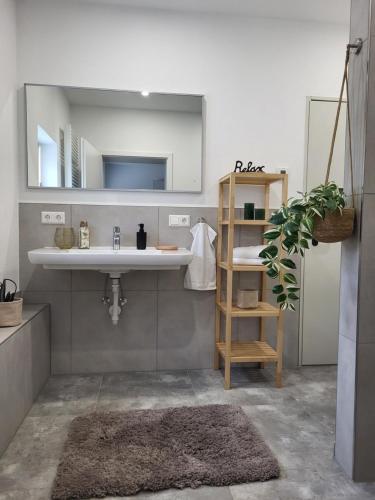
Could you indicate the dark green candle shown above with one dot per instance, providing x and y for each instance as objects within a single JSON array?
[
  {"x": 260, "y": 213},
  {"x": 249, "y": 211}
]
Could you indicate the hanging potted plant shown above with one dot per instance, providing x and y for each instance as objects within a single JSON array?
[{"x": 317, "y": 216}]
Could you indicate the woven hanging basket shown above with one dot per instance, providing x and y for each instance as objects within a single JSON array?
[{"x": 335, "y": 226}]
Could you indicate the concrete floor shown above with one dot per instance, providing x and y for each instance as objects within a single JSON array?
[{"x": 297, "y": 422}]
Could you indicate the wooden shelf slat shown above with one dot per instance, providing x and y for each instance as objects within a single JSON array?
[
  {"x": 241, "y": 267},
  {"x": 264, "y": 310},
  {"x": 255, "y": 179},
  {"x": 256, "y": 351},
  {"x": 242, "y": 222}
]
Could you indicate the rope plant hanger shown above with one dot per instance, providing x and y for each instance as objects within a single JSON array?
[
  {"x": 338, "y": 225},
  {"x": 319, "y": 215}
]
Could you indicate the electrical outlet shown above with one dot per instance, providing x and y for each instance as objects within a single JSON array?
[
  {"x": 52, "y": 217},
  {"x": 179, "y": 221}
]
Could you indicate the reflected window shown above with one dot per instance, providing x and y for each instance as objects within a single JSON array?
[
  {"x": 48, "y": 170},
  {"x": 135, "y": 172}
]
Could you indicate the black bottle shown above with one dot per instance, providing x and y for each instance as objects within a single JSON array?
[{"x": 141, "y": 238}]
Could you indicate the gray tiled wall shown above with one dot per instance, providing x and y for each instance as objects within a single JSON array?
[
  {"x": 355, "y": 432},
  {"x": 24, "y": 369},
  {"x": 163, "y": 325}
]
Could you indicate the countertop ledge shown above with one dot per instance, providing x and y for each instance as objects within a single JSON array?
[{"x": 29, "y": 312}]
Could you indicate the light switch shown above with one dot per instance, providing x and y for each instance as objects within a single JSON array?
[
  {"x": 179, "y": 221},
  {"x": 52, "y": 217}
]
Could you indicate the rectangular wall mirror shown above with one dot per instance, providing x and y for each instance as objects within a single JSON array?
[{"x": 79, "y": 138}]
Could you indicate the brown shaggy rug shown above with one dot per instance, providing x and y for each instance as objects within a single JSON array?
[{"x": 122, "y": 453}]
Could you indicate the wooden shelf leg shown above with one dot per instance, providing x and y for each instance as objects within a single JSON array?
[
  {"x": 228, "y": 331},
  {"x": 280, "y": 319},
  {"x": 229, "y": 294},
  {"x": 217, "y": 338},
  {"x": 262, "y": 336},
  {"x": 227, "y": 373},
  {"x": 279, "y": 349},
  {"x": 218, "y": 275}
]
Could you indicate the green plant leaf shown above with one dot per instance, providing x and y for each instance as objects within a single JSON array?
[
  {"x": 304, "y": 243},
  {"x": 293, "y": 249},
  {"x": 277, "y": 289},
  {"x": 331, "y": 205},
  {"x": 275, "y": 266},
  {"x": 292, "y": 289},
  {"x": 299, "y": 209},
  {"x": 281, "y": 298},
  {"x": 319, "y": 213},
  {"x": 272, "y": 234},
  {"x": 290, "y": 278},
  {"x": 269, "y": 252},
  {"x": 290, "y": 227},
  {"x": 293, "y": 296},
  {"x": 277, "y": 218},
  {"x": 288, "y": 263},
  {"x": 272, "y": 273},
  {"x": 308, "y": 223},
  {"x": 292, "y": 307}
]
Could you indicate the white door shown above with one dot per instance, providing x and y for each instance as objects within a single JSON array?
[{"x": 321, "y": 278}]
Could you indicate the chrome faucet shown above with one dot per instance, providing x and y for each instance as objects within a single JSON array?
[{"x": 116, "y": 238}]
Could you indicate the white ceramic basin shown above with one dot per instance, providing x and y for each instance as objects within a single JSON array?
[{"x": 107, "y": 260}]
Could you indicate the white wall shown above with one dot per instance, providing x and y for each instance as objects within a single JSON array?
[
  {"x": 49, "y": 108},
  {"x": 8, "y": 143},
  {"x": 127, "y": 130},
  {"x": 255, "y": 74}
]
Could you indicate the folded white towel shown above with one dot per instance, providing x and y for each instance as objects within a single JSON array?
[
  {"x": 251, "y": 252},
  {"x": 247, "y": 262}
]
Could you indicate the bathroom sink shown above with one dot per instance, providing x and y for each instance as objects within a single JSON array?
[{"x": 107, "y": 260}]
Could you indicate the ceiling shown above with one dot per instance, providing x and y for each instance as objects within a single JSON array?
[
  {"x": 330, "y": 11},
  {"x": 133, "y": 100}
]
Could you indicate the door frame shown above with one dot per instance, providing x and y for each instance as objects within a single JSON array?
[{"x": 309, "y": 100}]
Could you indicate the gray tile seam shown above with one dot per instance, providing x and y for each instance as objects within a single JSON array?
[{"x": 71, "y": 333}]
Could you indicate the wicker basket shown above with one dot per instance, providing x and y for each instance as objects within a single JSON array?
[
  {"x": 11, "y": 313},
  {"x": 334, "y": 227}
]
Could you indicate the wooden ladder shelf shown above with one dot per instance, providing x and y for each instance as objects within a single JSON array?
[{"x": 259, "y": 350}]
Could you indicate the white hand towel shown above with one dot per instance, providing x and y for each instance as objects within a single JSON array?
[
  {"x": 201, "y": 272},
  {"x": 251, "y": 252},
  {"x": 247, "y": 262}
]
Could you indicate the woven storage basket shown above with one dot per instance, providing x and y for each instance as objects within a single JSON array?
[
  {"x": 334, "y": 227},
  {"x": 11, "y": 313}
]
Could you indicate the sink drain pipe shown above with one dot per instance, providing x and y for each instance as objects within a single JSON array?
[{"x": 118, "y": 299}]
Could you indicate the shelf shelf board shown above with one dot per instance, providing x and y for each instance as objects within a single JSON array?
[
  {"x": 255, "y": 179},
  {"x": 241, "y": 222},
  {"x": 242, "y": 267},
  {"x": 256, "y": 351},
  {"x": 264, "y": 310}
]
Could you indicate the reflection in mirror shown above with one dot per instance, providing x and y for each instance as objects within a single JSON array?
[{"x": 106, "y": 139}]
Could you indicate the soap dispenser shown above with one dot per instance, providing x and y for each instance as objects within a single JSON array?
[
  {"x": 141, "y": 238},
  {"x": 84, "y": 235}
]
